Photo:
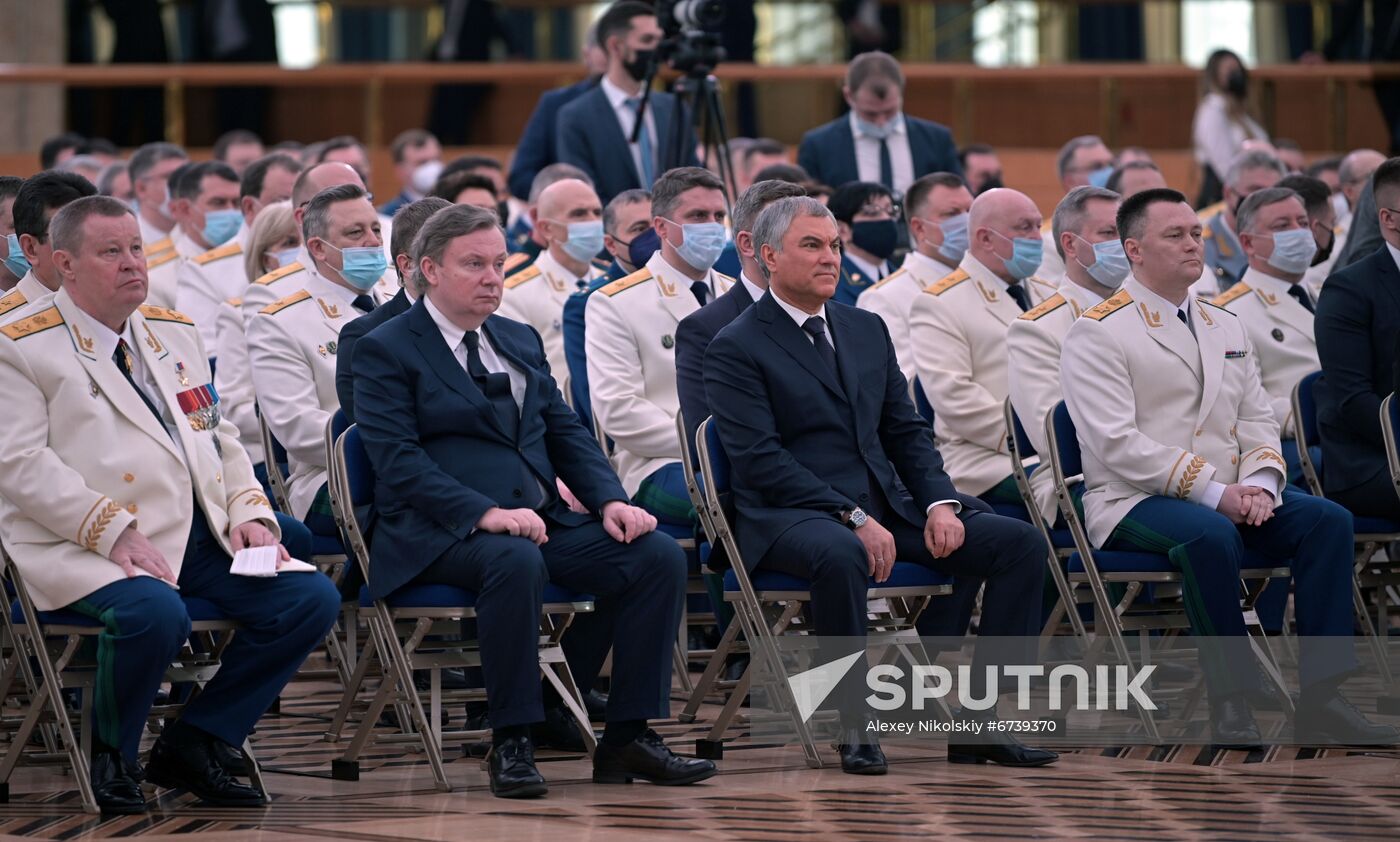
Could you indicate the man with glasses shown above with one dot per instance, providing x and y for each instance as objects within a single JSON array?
[{"x": 867, "y": 219}]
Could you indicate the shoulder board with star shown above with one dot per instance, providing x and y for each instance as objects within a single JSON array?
[
  {"x": 161, "y": 245},
  {"x": 1050, "y": 304},
  {"x": 226, "y": 250},
  {"x": 890, "y": 277},
  {"x": 279, "y": 274},
  {"x": 283, "y": 303},
  {"x": 941, "y": 286},
  {"x": 164, "y": 314},
  {"x": 1108, "y": 306},
  {"x": 36, "y": 323},
  {"x": 516, "y": 262},
  {"x": 1230, "y": 294},
  {"x": 12, "y": 299},
  {"x": 161, "y": 259},
  {"x": 528, "y": 273},
  {"x": 640, "y": 276}
]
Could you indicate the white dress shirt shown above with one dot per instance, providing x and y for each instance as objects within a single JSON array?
[
  {"x": 1266, "y": 480},
  {"x": 627, "y": 119},
  {"x": 1394, "y": 253},
  {"x": 901, "y": 157},
  {"x": 755, "y": 291},
  {"x": 453, "y": 336},
  {"x": 874, "y": 271}
]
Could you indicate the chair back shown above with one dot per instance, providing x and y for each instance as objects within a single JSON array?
[
  {"x": 1305, "y": 430},
  {"x": 714, "y": 463},
  {"x": 278, "y": 466},
  {"x": 352, "y": 475},
  {"x": 689, "y": 459},
  {"x": 921, "y": 404},
  {"x": 340, "y": 422},
  {"x": 1064, "y": 443},
  {"x": 1390, "y": 431}
]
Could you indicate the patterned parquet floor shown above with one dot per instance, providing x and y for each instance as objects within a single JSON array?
[{"x": 765, "y": 794}]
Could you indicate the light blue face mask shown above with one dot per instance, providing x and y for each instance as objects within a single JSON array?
[
  {"x": 1026, "y": 254},
  {"x": 362, "y": 266},
  {"x": 221, "y": 225},
  {"x": 866, "y": 128},
  {"x": 1110, "y": 264},
  {"x": 701, "y": 245},
  {"x": 585, "y": 240},
  {"x": 1293, "y": 250},
  {"x": 955, "y": 238},
  {"x": 286, "y": 257},
  {"x": 15, "y": 261},
  {"x": 1100, "y": 176}
]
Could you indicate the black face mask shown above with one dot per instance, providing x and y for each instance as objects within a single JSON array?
[
  {"x": 639, "y": 65},
  {"x": 1236, "y": 84},
  {"x": 992, "y": 183},
  {"x": 879, "y": 237},
  {"x": 1324, "y": 253},
  {"x": 503, "y": 211}
]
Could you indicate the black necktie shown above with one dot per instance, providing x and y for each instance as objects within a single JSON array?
[
  {"x": 122, "y": 357},
  {"x": 816, "y": 328},
  {"x": 886, "y": 164},
  {"x": 1020, "y": 296},
  {"x": 1181, "y": 314},
  {"x": 1301, "y": 294},
  {"x": 363, "y": 303},
  {"x": 701, "y": 290},
  {"x": 496, "y": 386}
]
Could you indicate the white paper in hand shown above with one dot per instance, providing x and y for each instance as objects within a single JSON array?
[{"x": 255, "y": 561}]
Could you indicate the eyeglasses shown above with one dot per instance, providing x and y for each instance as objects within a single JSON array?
[{"x": 877, "y": 210}]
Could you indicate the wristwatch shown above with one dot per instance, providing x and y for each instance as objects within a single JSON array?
[{"x": 855, "y": 518}]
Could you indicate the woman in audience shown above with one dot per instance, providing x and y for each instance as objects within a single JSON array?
[{"x": 1222, "y": 123}]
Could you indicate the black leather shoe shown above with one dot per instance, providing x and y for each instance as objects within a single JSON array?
[
  {"x": 861, "y": 755},
  {"x": 648, "y": 758},
  {"x": 513, "y": 772},
  {"x": 1232, "y": 724},
  {"x": 116, "y": 783},
  {"x": 230, "y": 758},
  {"x": 558, "y": 731},
  {"x": 453, "y": 678},
  {"x": 597, "y": 706},
  {"x": 191, "y": 765},
  {"x": 1001, "y": 749},
  {"x": 1333, "y": 719}
]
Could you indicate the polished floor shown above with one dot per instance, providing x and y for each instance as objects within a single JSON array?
[{"x": 765, "y": 793}]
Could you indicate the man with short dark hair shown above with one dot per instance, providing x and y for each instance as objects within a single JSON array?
[
  {"x": 417, "y": 163},
  {"x": 238, "y": 148},
  {"x": 760, "y": 153},
  {"x": 468, "y": 436},
  {"x": 346, "y": 149},
  {"x": 205, "y": 203},
  {"x": 1358, "y": 320},
  {"x": 598, "y": 125},
  {"x": 1204, "y": 492},
  {"x": 1133, "y": 177},
  {"x": 1327, "y": 232},
  {"x": 981, "y": 167},
  {"x": 936, "y": 211},
  {"x": 876, "y": 142},
  {"x": 38, "y": 199},
  {"x": 142, "y": 505},
  {"x": 867, "y": 218}
]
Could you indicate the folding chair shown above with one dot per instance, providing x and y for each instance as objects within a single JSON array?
[
  {"x": 1059, "y": 541},
  {"x": 276, "y": 460},
  {"x": 53, "y": 640},
  {"x": 1372, "y": 534},
  {"x": 402, "y": 635},
  {"x": 769, "y": 604},
  {"x": 1136, "y": 570}
]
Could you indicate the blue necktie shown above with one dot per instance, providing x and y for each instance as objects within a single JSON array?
[{"x": 648, "y": 172}]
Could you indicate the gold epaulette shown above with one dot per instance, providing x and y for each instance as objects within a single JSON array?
[
  {"x": 163, "y": 244},
  {"x": 1209, "y": 212},
  {"x": 1230, "y": 294},
  {"x": 528, "y": 273},
  {"x": 36, "y": 323},
  {"x": 941, "y": 286},
  {"x": 1113, "y": 304},
  {"x": 890, "y": 277},
  {"x": 1206, "y": 232},
  {"x": 640, "y": 276},
  {"x": 12, "y": 299},
  {"x": 234, "y": 302},
  {"x": 1054, "y": 302},
  {"x": 283, "y": 303},
  {"x": 516, "y": 262},
  {"x": 279, "y": 274},
  {"x": 1034, "y": 280},
  {"x": 164, "y": 314},
  {"x": 160, "y": 259},
  {"x": 226, "y": 250}
]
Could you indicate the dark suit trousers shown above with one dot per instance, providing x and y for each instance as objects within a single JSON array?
[
  {"x": 1374, "y": 498},
  {"x": 637, "y": 588}
]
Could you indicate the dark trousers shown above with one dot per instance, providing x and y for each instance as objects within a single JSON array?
[
  {"x": 145, "y": 623},
  {"x": 1310, "y": 535},
  {"x": 1374, "y": 498},
  {"x": 1005, "y": 555},
  {"x": 637, "y": 590}
]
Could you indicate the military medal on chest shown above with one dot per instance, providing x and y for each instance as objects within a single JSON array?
[{"x": 200, "y": 404}]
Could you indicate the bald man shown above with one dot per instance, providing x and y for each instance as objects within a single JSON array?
[
  {"x": 568, "y": 218},
  {"x": 957, "y": 328}
]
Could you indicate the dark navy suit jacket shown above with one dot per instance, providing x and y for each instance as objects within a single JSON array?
[
  {"x": 693, "y": 337},
  {"x": 828, "y": 152},
  {"x": 805, "y": 443},
  {"x": 440, "y": 454},
  {"x": 575, "y": 306},
  {"x": 536, "y": 149},
  {"x": 590, "y": 137},
  {"x": 350, "y": 336},
  {"x": 1358, "y": 319}
]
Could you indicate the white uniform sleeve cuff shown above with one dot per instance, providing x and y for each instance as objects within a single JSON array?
[
  {"x": 1266, "y": 479},
  {"x": 1214, "y": 491},
  {"x": 957, "y": 506}
]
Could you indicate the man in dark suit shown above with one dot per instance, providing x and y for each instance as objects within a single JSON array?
[
  {"x": 407, "y": 222},
  {"x": 468, "y": 434},
  {"x": 835, "y": 476},
  {"x": 596, "y": 127},
  {"x": 536, "y": 149},
  {"x": 877, "y": 141},
  {"x": 1358, "y": 318}
]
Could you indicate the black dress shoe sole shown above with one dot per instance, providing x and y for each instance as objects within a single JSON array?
[
  {"x": 867, "y": 770},
  {"x": 628, "y": 777},
  {"x": 156, "y": 776},
  {"x": 123, "y": 808},
  {"x": 534, "y": 789},
  {"x": 959, "y": 757}
]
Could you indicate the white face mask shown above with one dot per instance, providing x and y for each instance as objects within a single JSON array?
[{"x": 425, "y": 175}]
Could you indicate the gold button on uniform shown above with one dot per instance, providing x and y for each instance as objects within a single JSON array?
[
  {"x": 129, "y": 477},
  {"x": 131, "y": 507},
  {"x": 1199, "y": 432}
]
